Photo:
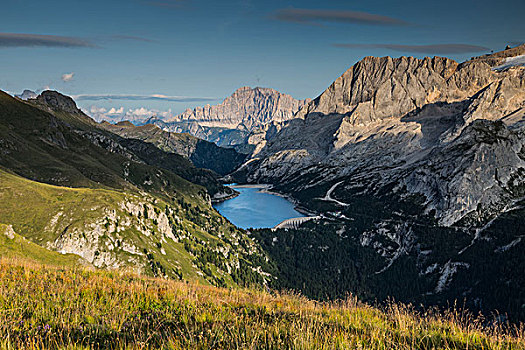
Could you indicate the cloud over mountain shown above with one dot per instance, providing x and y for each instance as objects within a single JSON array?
[
  {"x": 67, "y": 77},
  {"x": 114, "y": 114}
]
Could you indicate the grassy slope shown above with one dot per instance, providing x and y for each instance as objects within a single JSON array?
[
  {"x": 92, "y": 220},
  {"x": 14, "y": 246},
  {"x": 31, "y": 206},
  {"x": 80, "y": 309},
  {"x": 96, "y": 225}
]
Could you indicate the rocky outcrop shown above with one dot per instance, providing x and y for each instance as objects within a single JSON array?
[
  {"x": 8, "y": 231},
  {"x": 58, "y": 102}
]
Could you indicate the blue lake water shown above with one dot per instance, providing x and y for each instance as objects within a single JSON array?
[{"x": 253, "y": 208}]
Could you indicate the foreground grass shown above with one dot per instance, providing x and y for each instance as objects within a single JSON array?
[{"x": 74, "y": 308}]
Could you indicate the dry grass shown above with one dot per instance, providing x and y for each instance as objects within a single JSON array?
[{"x": 46, "y": 307}]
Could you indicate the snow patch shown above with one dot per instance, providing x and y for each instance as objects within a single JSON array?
[{"x": 516, "y": 61}]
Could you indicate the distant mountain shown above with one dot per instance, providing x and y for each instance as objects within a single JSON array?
[
  {"x": 70, "y": 186},
  {"x": 229, "y": 123},
  {"x": 27, "y": 94},
  {"x": 418, "y": 166}
]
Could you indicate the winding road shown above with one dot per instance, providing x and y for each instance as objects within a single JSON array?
[{"x": 328, "y": 196}]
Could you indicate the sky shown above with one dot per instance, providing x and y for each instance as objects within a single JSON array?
[{"x": 137, "y": 58}]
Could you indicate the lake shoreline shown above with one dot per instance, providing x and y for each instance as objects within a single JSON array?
[
  {"x": 256, "y": 208},
  {"x": 289, "y": 198},
  {"x": 215, "y": 200}
]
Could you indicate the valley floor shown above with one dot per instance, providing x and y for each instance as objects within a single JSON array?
[{"x": 76, "y": 308}]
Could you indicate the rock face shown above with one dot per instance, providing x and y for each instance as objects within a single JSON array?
[
  {"x": 230, "y": 122},
  {"x": 245, "y": 108},
  {"x": 452, "y": 132}
]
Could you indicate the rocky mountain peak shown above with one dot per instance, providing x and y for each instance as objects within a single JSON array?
[
  {"x": 246, "y": 108},
  {"x": 388, "y": 117},
  {"x": 247, "y": 91},
  {"x": 378, "y": 88},
  {"x": 58, "y": 102},
  {"x": 498, "y": 58}
]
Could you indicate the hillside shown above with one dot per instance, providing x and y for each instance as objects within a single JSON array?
[
  {"x": 418, "y": 168},
  {"x": 65, "y": 109},
  {"x": 83, "y": 309},
  {"x": 230, "y": 122},
  {"x": 13, "y": 246},
  {"x": 202, "y": 154},
  {"x": 69, "y": 186}
]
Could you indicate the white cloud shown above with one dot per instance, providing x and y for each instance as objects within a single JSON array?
[
  {"x": 116, "y": 111},
  {"x": 115, "y": 115},
  {"x": 97, "y": 110},
  {"x": 68, "y": 76},
  {"x": 140, "y": 112}
]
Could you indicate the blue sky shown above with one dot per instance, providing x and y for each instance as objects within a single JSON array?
[{"x": 204, "y": 50}]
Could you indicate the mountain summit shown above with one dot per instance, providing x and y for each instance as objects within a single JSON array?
[
  {"x": 27, "y": 94},
  {"x": 230, "y": 122},
  {"x": 246, "y": 108}
]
